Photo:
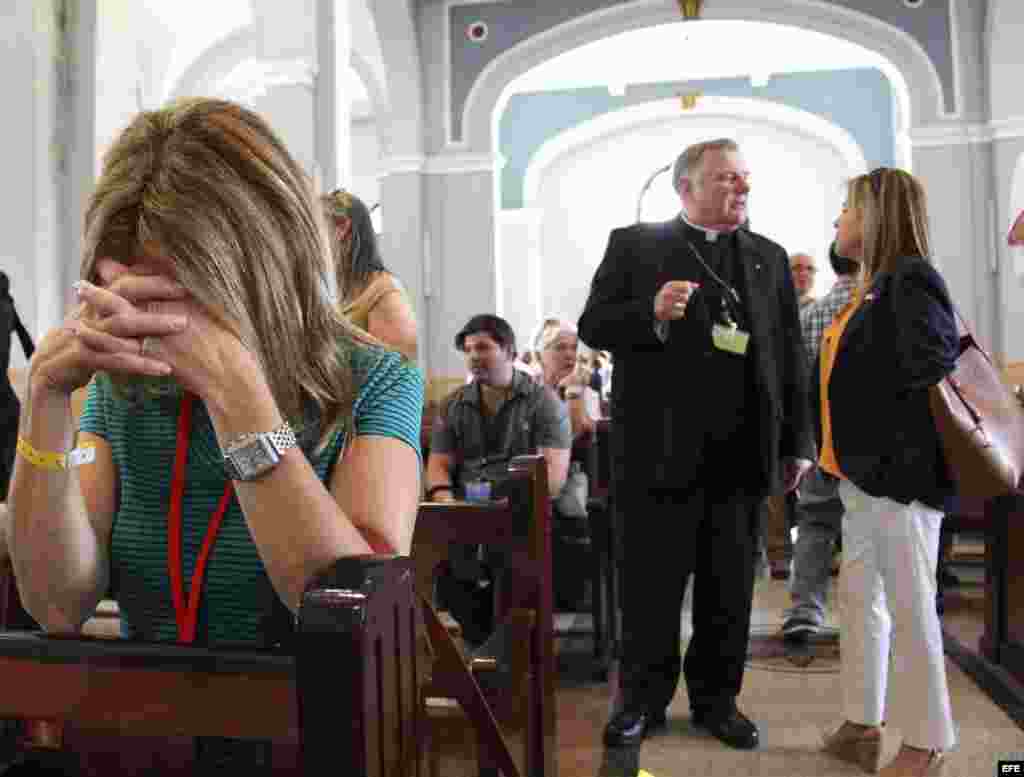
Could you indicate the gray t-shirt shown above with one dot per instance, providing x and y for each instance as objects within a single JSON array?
[{"x": 530, "y": 419}]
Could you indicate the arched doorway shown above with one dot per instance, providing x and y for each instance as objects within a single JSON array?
[
  {"x": 924, "y": 92},
  {"x": 531, "y": 228}
]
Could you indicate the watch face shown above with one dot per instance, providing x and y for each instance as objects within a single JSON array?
[{"x": 253, "y": 459}]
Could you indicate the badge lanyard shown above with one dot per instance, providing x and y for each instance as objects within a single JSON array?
[
  {"x": 187, "y": 615},
  {"x": 728, "y": 291}
]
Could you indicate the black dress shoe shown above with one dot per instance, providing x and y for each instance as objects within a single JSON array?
[
  {"x": 734, "y": 728},
  {"x": 629, "y": 727}
]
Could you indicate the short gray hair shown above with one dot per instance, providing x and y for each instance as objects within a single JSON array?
[{"x": 689, "y": 161}]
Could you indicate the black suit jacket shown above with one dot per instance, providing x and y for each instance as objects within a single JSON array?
[{"x": 656, "y": 386}]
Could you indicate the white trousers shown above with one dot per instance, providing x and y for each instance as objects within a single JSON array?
[{"x": 888, "y": 596}]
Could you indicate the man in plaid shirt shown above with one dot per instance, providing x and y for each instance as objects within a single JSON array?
[
  {"x": 819, "y": 512},
  {"x": 817, "y": 315}
]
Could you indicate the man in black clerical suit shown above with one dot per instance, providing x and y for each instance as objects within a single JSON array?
[{"x": 709, "y": 415}]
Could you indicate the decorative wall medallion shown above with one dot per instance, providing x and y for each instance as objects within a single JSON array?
[
  {"x": 691, "y": 8},
  {"x": 913, "y": 3},
  {"x": 689, "y": 101},
  {"x": 477, "y": 32}
]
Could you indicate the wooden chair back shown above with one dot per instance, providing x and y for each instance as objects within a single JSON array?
[
  {"x": 517, "y": 523},
  {"x": 352, "y": 659}
]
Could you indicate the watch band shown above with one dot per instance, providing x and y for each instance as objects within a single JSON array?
[
  {"x": 283, "y": 438},
  {"x": 256, "y": 445}
]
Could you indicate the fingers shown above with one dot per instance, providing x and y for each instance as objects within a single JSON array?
[
  {"x": 678, "y": 297},
  {"x": 101, "y": 351},
  {"x": 137, "y": 324},
  {"x": 107, "y": 342},
  {"x": 120, "y": 303},
  {"x": 146, "y": 288},
  {"x": 109, "y": 270}
]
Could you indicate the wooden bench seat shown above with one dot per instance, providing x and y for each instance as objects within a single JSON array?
[{"x": 352, "y": 658}]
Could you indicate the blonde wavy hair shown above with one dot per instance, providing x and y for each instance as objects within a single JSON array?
[
  {"x": 894, "y": 218},
  {"x": 210, "y": 183},
  {"x": 550, "y": 330}
]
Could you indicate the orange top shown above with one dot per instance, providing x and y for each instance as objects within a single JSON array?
[{"x": 829, "y": 348}]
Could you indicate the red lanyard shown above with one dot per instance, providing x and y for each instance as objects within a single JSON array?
[{"x": 186, "y": 615}]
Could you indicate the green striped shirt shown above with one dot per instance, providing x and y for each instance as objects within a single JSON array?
[{"x": 238, "y": 605}]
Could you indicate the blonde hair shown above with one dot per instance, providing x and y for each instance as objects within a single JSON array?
[
  {"x": 894, "y": 219},
  {"x": 550, "y": 330},
  {"x": 210, "y": 183},
  {"x": 357, "y": 258}
]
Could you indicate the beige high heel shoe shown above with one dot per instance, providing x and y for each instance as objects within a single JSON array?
[
  {"x": 899, "y": 766},
  {"x": 856, "y": 745}
]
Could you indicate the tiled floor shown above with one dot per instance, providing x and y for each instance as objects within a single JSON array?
[{"x": 793, "y": 703}]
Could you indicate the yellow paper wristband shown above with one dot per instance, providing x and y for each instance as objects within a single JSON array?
[{"x": 85, "y": 454}]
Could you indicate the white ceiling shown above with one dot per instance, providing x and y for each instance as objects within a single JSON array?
[{"x": 695, "y": 50}]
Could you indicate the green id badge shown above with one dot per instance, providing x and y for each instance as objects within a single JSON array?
[{"x": 730, "y": 338}]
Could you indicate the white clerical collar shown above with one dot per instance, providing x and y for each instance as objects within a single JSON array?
[{"x": 710, "y": 234}]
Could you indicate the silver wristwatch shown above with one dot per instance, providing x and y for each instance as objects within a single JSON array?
[{"x": 252, "y": 456}]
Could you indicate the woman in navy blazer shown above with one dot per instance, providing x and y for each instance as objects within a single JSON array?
[{"x": 897, "y": 338}]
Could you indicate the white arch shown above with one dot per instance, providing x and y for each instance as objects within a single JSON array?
[
  {"x": 916, "y": 81},
  {"x": 661, "y": 111},
  {"x": 217, "y": 61}
]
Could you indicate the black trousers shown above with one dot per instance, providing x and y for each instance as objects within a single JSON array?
[{"x": 708, "y": 530}]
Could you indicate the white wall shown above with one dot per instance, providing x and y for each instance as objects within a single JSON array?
[
  {"x": 1011, "y": 294},
  {"x": 796, "y": 196},
  {"x": 1006, "y": 58},
  {"x": 289, "y": 111},
  {"x": 120, "y": 73},
  {"x": 519, "y": 281},
  {"x": 25, "y": 146},
  {"x": 365, "y": 182}
]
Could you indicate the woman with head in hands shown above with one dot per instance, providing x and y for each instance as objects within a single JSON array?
[{"x": 239, "y": 434}]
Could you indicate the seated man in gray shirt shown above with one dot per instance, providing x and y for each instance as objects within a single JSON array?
[{"x": 502, "y": 413}]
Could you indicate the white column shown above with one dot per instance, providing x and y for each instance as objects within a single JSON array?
[
  {"x": 23, "y": 150},
  {"x": 38, "y": 160},
  {"x": 954, "y": 164},
  {"x": 1008, "y": 172},
  {"x": 520, "y": 285},
  {"x": 332, "y": 105},
  {"x": 79, "y": 119},
  {"x": 406, "y": 250},
  {"x": 459, "y": 202}
]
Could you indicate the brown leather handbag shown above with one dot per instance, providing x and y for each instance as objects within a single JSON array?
[{"x": 980, "y": 423}]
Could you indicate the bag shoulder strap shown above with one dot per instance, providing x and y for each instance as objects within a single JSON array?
[{"x": 967, "y": 338}]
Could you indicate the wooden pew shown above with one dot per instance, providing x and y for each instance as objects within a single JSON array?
[
  {"x": 344, "y": 692},
  {"x": 1003, "y": 640},
  {"x": 519, "y": 524}
]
